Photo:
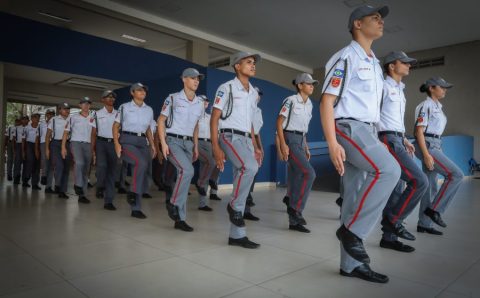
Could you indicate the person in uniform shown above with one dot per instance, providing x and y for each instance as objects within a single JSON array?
[
  {"x": 19, "y": 160},
  {"x": 9, "y": 148},
  {"x": 46, "y": 172},
  {"x": 53, "y": 144},
  {"x": 178, "y": 133},
  {"x": 292, "y": 127},
  {"x": 349, "y": 110},
  {"x": 205, "y": 157},
  {"x": 391, "y": 129},
  {"x": 32, "y": 153},
  {"x": 233, "y": 112},
  {"x": 257, "y": 125},
  {"x": 105, "y": 156},
  {"x": 79, "y": 129},
  {"x": 134, "y": 143},
  {"x": 429, "y": 126}
]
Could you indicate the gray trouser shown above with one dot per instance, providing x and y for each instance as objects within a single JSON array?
[
  {"x": 46, "y": 166},
  {"x": 32, "y": 165},
  {"x": 239, "y": 150},
  {"x": 107, "y": 163},
  {"x": 18, "y": 161},
  {"x": 214, "y": 176},
  {"x": 135, "y": 151},
  {"x": 301, "y": 173},
  {"x": 10, "y": 159},
  {"x": 60, "y": 166},
  {"x": 434, "y": 198},
  {"x": 181, "y": 154},
  {"x": 207, "y": 165},
  {"x": 82, "y": 157},
  {"x": 121, "y": 173},
  {"x": 362, "y": 207},
  {"x": 402, "y": 201}
]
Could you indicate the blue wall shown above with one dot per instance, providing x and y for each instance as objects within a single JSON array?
[{"x": 41, "y": 45}]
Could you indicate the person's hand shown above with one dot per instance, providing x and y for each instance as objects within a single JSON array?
[
  {"x": 307, "y": 154},
  {"x": 64, "y": 152},
  {"x": 429, "y": 162},
  {"x": 410, "y": 148},
  {"x": 195, "y": 154},
  {"x": 47, "y": 153},
  {"x": 258, "y": 156},
  {"x": 285, "y": 151},
  {"x": 337, "y": 155},
  {"x": 153, "y": 150},
  {"x": 219, "y": 157},
  {"x": 94, "y": 158},
  {"x": 165, "y": 150},
  {"x": 118, "y": 150}
]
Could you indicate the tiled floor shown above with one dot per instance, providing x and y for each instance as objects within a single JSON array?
[{"x": 55, "y": 248}]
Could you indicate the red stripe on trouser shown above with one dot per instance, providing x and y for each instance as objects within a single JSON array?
[
  {"x": 410, "y": 176},
  {"x": 305, "y": 178},
  {"x": 444, "y": 189},
  {"x": 203, "y": 177},
  {"x": 135, "y": 168},
  {"x": 179, "y": 180},
  {"x": 377, "y": 174},
  {"x": 241, "y": 171}
]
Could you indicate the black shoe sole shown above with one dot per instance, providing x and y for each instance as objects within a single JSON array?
[
  {"x": 353, "y": 274},
  {"x": 406, "y": 249}
]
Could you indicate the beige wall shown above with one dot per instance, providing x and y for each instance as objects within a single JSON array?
[{"x": 462, "y": 103}]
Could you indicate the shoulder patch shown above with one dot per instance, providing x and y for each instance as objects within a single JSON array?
[{"x": 339, "y": 73}]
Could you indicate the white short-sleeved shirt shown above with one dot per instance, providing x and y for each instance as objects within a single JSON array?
[
  {"x": 429, "y": 113},
  {"x": 10, "y": 132},
  {"x": 393, "y": 106},
  {"x": 57, "y": 125},
  {"x": 362, "y": 82},
  {"x": 104, "y": 122},
  {"x": 300, "y": 113},
  {"x": 42, "y": 130},
  {"x": 257, "y": 120},
  {"x": 244, "y": 105},
  {"x": 80, "y": 128},
  {"x": 204, "y": 126},
  {"x": 19, "y": 133},
  {"x": 134, "y": 118},
  {"x": 186, "y": 113},
  {"x": 31, "y": 133}
]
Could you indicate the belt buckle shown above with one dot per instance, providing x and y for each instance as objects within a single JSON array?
[
  {"x": 246, "y": 134},
  {"x": 184, "y": 137},
  {"x": 139, "y": 134}
]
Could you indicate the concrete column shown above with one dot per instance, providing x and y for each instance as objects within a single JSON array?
[
  {"x": 197, "y": 52},
  {"x": 319, "y": 75},
  {"x": 3, "y": 118}
]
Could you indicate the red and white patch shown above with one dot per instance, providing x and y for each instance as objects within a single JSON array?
[
  {"x": 91, "y": 120},
  {"x": 336, "y": 82},
  {"x": 164, "y": 108},
  {"x": 284, "y": 109},
  {"x": 420, "y": 119},
  {"x": 217, "y": 100}
]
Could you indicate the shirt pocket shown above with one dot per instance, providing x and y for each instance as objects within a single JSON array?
[{"x": 366, "y": 76}]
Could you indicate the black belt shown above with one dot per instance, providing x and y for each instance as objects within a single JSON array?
[
  {"x": 432, "y": 135},
  {"x": 350, "y": 118},
  {"x": 138, "y": 134},
  {"x": 179, "y": 136},
  {"x": 295, "y": 132},
  {"x": 391, "y": 132},
  {"x": 55, "y": 140},
  {"x": 204, "y": 139},
  {"x": 105, "y": 139},
  {"x": 236, "y": 132}
]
